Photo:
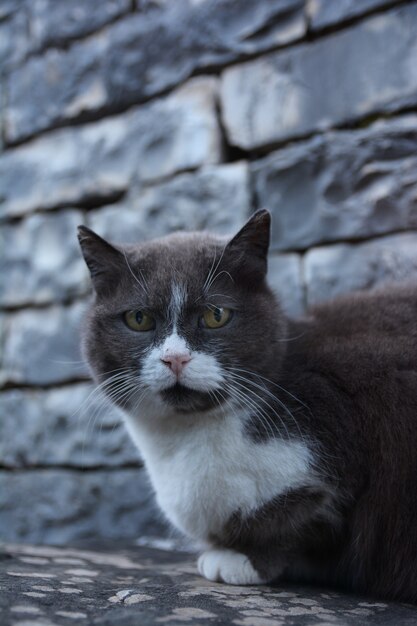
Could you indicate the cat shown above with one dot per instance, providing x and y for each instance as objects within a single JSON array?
[{"x": 287, "y": 448}]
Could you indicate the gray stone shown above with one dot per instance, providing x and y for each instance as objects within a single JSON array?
[
  {"x": 2, "y": 341},
  {"x": 98, "y": 161},
  {"x": 55, "y": 22},
  {"x": 57, "y": 506},
  {"x": 41, "y": 346},
  {"x": 344, "y": 185},
  {"x": 334, "y": 270},
  {"x": 157, "y": 582},
  {"x": 14, "y": 39},
  {"x": 41, "y": 260},
  {"x": 214, "y": 198},
  {"x": 2, "y": 103},
  {"x": 303, "y": 89},
  {"x": 124, "y": 63},
  {"x": 324, "y": 13},
  {"x": 71, "y": 426},
  {"x": 101, "y": 583},
  {"x": 285, "y": 279},
  {"x": 8, "y": 7}
]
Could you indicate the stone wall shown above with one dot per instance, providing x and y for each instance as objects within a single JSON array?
[{"x": 140, "y": 117}]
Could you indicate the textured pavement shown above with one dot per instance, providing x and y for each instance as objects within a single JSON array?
[{"x": 140, "y": 586}]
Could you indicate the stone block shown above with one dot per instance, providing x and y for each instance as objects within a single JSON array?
[
  {"x": 325, "y": 13},
  {"x": 285, "y": 279},
  {"x": 123, "y": 64},
  {"x": 304, "y": 89},
  {"x": 57, "y": 506},
  {"x": 14, "y": 38},
  {"x": 214, "y": 198},
  {"x": 41, "y": 260},
  {"x": 68, "y": 426},
  {"x": 41, "y": 346},
  {"x": 155, "y": 581},
  {"x": 344, "y": 185},
  {"x": 2, "y": 341},
  {"x": 334, "y": 270},
  {"x": 2, "y": 103},
  {"x": 56, "y": 22},
  {"x": 9, "y": 7},
  {"x": 97, "y": 161}
]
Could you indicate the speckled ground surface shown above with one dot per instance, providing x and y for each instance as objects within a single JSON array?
[{"x": 140, "y": 586}]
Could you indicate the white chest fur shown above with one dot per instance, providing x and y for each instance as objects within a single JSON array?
[{"x": 206, "y": 470}]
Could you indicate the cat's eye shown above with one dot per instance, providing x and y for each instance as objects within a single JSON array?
[
  {"x": 215, "y": 317},
  {"x": 139, "y": 320}
]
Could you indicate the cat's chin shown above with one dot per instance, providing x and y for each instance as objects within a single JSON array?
[{"x": 186, "y": 400}]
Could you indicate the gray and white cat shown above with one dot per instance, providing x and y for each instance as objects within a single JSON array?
[{"x": 289, "y": 448}]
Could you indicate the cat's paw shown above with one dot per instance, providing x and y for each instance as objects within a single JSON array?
[{"x": 229, "y": 567}]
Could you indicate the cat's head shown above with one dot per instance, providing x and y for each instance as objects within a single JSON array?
[{"x": 176, "y": 321}]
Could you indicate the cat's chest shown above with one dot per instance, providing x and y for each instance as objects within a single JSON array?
[{"x": 205, "y": 474}]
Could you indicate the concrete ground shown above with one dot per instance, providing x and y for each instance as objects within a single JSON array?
[{"x": 141, "y": 586}]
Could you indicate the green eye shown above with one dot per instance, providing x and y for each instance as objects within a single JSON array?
[
  {"x": 139, "y": 321},
  {"x": 216, "y": 317}
]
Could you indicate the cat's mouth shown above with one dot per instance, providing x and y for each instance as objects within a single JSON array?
[{"x": 186, "y": 400}]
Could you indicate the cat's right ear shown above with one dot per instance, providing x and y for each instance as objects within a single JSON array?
[
  {"x": 248, "y": 249},
  {"x": 102, "y": 259}
]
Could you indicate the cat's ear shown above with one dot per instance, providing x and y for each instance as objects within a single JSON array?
[
  {"x": 249, "y": 247},
  {"x": 102, "y": 259}
]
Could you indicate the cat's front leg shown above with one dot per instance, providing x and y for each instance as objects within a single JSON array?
[{"x": 228, "y": 566}]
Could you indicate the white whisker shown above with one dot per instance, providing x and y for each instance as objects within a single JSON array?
[
  {"x": 268, "y": 392},
  {"x": 141, "y": 281}
]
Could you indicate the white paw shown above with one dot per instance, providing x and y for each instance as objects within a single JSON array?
[{"x": 229, "y": 567}]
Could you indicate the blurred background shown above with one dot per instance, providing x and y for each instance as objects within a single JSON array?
[{"x": 140, "y": 117}]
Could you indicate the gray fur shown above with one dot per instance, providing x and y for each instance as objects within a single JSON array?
[{"x": 346, "y": 385}]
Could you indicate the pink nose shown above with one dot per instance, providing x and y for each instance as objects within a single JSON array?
[{"x": 176, "y": 362}]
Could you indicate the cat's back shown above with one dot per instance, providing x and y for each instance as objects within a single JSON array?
[
  {"x": 362, "y": 336},
  {"x": 389, "y": 310},
  {"x": 359, "y": 360},
  {"x": 353, "y": 362}
]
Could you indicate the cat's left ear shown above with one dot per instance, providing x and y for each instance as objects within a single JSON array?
[
  {"x": 102, "y": 259},
  {"x": 249, "y": 248}
]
